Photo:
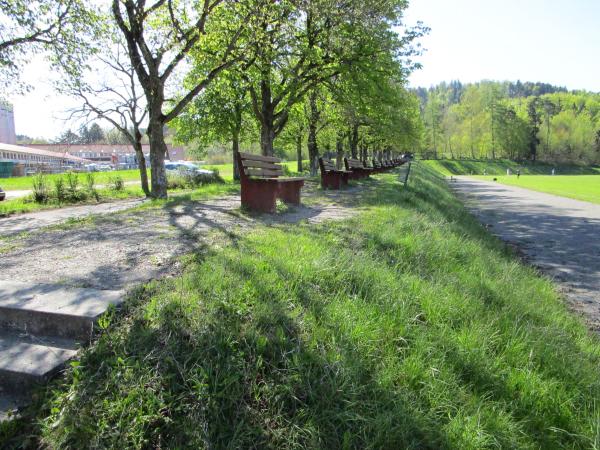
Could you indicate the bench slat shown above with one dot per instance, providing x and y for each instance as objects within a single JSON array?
[
  {"x": 263, "y": 172},
  {"x": 260, "y": 164},
  {"x": 254, "y": 157}
]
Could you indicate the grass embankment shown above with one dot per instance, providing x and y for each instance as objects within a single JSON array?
[
  {"x": 498, "y": 167},
  {"x": 406, "y": 327},
  {"x": 581, "y": 187}
]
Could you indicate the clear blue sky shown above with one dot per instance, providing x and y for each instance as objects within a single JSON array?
[{"x": 553, "y": 41}]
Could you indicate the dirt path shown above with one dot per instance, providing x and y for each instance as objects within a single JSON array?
[
  {"x": 557, "y": 234},
  {"x": 115, "y": 250},
  {"x": 28, "y": 222}
]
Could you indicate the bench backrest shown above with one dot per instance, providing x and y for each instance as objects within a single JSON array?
[
  {"x": 354, "y": 163},
  {"x": 259, "y": 166},
  {"x": 327, "y": 165},
  {"x": 377, "y": 164}
]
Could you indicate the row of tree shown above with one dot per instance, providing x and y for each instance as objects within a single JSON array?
[
  {"x": 332, "y": 72},
  {"x": 511, "y": 120}
]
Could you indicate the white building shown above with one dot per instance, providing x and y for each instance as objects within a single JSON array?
[{"x": 26, "y": 159}]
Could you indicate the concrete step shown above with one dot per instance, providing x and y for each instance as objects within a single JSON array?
[
  {"x": 26, "y": 360},
  {"x": 53, "y": 310},
  {"x": 10, "y": 405}
]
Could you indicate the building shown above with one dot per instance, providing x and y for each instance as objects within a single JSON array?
[
  {"x": 7, "y": 124},
  {"x": 120, "y": 156},
  {"x": 26, "y": 160}
]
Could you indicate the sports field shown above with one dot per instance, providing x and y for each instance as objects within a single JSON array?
[{"x": 579, "y": 187}]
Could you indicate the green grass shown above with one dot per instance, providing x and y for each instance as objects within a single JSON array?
[
  {"x": 580, "y": 187},
  {"x": 498, "y": 167},
  {"x": 408, "y": 326},
  {"x": 26, "y": 204},
  {"x": 25, "y": 183}
]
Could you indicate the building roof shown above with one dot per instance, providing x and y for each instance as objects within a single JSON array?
[{"x": 40, "y": 152}]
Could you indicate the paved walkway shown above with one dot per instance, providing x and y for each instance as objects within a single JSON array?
[{"x": 557, "y": 234}]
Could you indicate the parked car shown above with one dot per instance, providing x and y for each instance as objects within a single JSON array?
[
  {"x": 2, "y": 194},
  {"x": 183, "y": 166}
]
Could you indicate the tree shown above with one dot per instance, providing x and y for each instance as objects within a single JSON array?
[
  {"x": 535, "y": 120},
  {"x": 108, "y": 89},
  {"x": 159, "y": 38},
  {"x": 299, "y": 46},
  {"x": 33, "y": 26},
  {"x": 67, "y": 138},
  {"x": 219, "y": 114}
]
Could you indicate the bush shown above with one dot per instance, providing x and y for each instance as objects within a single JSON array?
[
  {"x": 72, "y": 186},
  {"x": 59, "y": 189},
  {"x": 116, "y": 183},
  {"x": 90, "y": 182},
  {"x": 186, "y": 179},
  {"x": 40, "y": 188}
]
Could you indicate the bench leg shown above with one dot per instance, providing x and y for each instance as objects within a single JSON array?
[
  {"x": 290, "y": 192},
  {"x": 259, "y": 196}
]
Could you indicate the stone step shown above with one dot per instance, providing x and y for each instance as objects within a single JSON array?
[
  {"x": 53, "y": 310},
  {"x": 9, "y": 405},
  {"x": 26, "y": 360}
]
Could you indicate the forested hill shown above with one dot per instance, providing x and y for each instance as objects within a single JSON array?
[
  {"x": 454, "y": 89},
  {"x": 511, "y": 120}
]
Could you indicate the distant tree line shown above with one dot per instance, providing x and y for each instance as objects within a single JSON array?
[{"x": 534, "y": 121}]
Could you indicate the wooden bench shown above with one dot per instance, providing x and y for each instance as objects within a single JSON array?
[
  {"x": 377, "y": 166},
  {"x": 357, "y": 169},
  {"x": 331, "y": 177},
  {"x": 262, "y": 183}
]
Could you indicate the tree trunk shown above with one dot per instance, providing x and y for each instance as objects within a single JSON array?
[
  {"x": 235, "y": 148},
  {"x": 158, "y": 150},
  {"x": 339, "y": 146},
  {"x": 267, "y": 122},
  {"x": 141, "y": 160},
  {"x": 299, "y": 151},
  {"x": 313, "y": 148},
  {"x": 354, "y": 141}
]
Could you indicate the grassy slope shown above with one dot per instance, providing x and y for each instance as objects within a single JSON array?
[
  {"x": 581, "y": 187},
  {"x": 407, "y": 327},
  {"x": 498, "y": 167}
]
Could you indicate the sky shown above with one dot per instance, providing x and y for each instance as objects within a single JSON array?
[{"x": 552, "y": 41}]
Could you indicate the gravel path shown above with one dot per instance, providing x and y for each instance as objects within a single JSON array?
[
  {"x": 116, "y": 250},
  {"x": 559, "y": 235},
  {"x": 28, "y": 222}
]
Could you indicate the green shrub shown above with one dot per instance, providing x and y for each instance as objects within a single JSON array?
[
  {"x": 90, "y": 185},
  {"x": 59, "y": 189},
  {"x": 72, "y": 186},
  {"x": 116, "y": 183},
  {"x": 186, "y": 179},
  {"x": 40, "y": 188}
]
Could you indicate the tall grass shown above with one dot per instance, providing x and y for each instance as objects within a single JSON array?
[{"x": 406, "y": 327}]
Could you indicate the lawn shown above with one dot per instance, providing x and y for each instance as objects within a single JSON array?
[
  {"x": 580, "y": 187},
  {"x": 102, "y": 178},
  {"x": 408, "y": 326},
  {"x": 498, "y": 167}
]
